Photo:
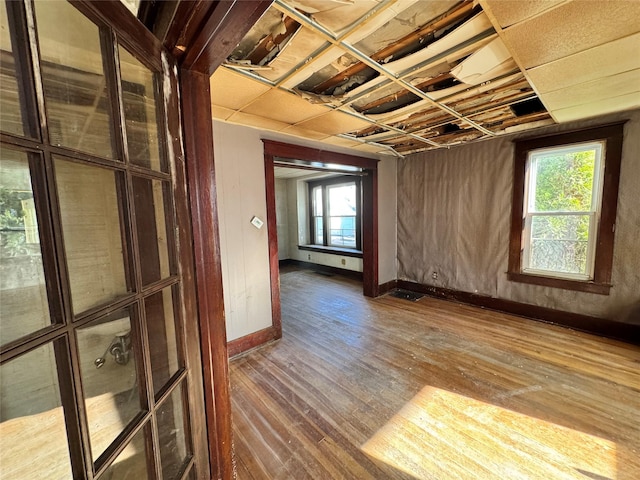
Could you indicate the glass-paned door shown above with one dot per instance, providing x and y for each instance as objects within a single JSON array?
[{"x": 94, "y": 382}]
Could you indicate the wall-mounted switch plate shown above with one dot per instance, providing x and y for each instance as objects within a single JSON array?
[{"x": 256, "y": 222}]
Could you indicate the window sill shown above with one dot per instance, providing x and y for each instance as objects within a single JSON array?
[
  {"x": 576, "y": 285},
  {"x": 345, "y": 252}
]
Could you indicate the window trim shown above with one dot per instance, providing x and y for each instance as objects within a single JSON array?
[
  {"x": 611, "y": 135},
  {"x": 328, "y": 182}
]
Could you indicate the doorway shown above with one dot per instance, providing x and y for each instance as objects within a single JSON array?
[{"x": 313, "y": 159}]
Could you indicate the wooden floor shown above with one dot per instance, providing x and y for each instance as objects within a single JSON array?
[{"x": 386, "y": 388}]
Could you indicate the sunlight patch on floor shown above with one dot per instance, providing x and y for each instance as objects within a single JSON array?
[{"x": 440, "y": 434}]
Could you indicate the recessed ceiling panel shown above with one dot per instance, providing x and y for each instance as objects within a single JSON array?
[
  {"x": 232, "y": 90},
  {"x": 614, "y": 57},
  {"x": 283, "y": 106},
  {"x": 571, "y": 28}
]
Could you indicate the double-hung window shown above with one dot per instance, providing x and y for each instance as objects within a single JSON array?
[
  {"x": 565, "y": 194},
  {"x": 335, "y": 212}
]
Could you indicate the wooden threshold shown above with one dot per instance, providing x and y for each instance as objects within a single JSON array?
[{"x": 385, "y": 388}]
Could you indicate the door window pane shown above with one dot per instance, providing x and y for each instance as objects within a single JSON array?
[
  {"x": 33, "y": 439},
  {"x": 139, "y": 97},
  {"x": 161, "y": 326},
  {"x": 75, "y": 88},
  {"x": 23, "y": 294},
  {"x": 174, "y": 450},
  {"x": 131, "y": 464},
  {"x": 10, "y": 113},
  {"x": 92, "y": 236},
  {"x": 109, "y": 378},
  {"x": 151, "y": 221}
]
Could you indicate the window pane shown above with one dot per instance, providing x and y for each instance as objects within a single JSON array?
[
  {"x": 139, "y": 97},
  {"x": 109, "y": 379},
  {"x": 23, "y": 294},
  {"x": 151, "y": 221},
  {"x": 10, "y": 113},
  {"x": 75, "y": 88},
  {"x": 319, "y": 231},
  {"x": 563, "y": 181},
  {"x": 342, "y": 200},
  {"x": 559, "y": 243},
  {"x": 317, "y": 201},
  {"x": 91, "y": 225},
  {"x": 343, "y": 231},
  {"x": 131, "y": 464},
  {"x": 162, "y": 329},
  {"x": 33, "y": 438},
  {"x": 174, "y": 450}
]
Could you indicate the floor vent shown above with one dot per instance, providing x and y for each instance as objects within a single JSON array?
[{"x": 406, "y": 295}]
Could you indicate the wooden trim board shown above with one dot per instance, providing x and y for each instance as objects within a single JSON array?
[
  {"x": 253, "y": 340},
  {"x": 625, "y": 332}
]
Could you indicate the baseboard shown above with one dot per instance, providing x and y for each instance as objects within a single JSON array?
[
  {"x": 253, "y": 340},
  {"x": 322, "y": 268},
  {"x": 625, "y": 332},
  {"x": 387, "y": 287}
]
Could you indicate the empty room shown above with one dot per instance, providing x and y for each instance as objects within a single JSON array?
[{"x": 320, "y": 239}]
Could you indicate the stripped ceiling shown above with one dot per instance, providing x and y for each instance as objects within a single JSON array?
[{"x": 402, "y": 76}]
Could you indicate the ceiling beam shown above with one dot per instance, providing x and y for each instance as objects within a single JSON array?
[{"x": 227, "y": 24}]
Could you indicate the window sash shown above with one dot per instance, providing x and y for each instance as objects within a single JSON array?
[{"x": 530, "y": 213}]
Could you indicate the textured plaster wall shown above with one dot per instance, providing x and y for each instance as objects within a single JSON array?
[{"x": 454, "y": 219}]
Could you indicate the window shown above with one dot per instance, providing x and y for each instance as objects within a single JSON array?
[
  {"x": 564, "y": 204},
  {"x": 93, "y": 357},
  {"x": 335, "y": 212}
]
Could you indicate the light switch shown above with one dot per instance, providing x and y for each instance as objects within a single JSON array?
[{"x": 256, "y": 222}]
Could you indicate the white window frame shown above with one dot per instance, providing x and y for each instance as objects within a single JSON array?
[{"x": 594, "y": 212}]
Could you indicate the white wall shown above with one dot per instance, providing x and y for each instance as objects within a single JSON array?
[
  {"x": 239, "y": 163},
  {"x": 240, "y": 184}
]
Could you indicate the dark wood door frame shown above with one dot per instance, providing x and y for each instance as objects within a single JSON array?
[{"x": 282, "y": 150}]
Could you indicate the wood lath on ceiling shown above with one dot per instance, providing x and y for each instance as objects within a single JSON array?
[{"x": 397, "y": 76}]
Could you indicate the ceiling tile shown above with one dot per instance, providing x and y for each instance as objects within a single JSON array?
[
  {"x": 335, "y": 122},
  {"x": 221, "y": 113},
  {"x": 341, "y": 142},
  {"x": 284, "y": 106},
  {"x": 304, "y": 133},
  {"x": 614, "y": 57},
  {"x": 233, "y": 90},
  {"x": 601, "y": 88},
  {"x": 510, "y": 12},
  {"x": 304, "y": 43},
  {"x": 598, "y": 107},
  {"x": 571, "y": 28},
  {"x": 257, "y": 121}
]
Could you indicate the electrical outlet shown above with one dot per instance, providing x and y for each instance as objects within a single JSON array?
[
  {"x": 309, "y": 257},
  {"x": 343, "y": 261},
  {"x": 434, "y": 275}
]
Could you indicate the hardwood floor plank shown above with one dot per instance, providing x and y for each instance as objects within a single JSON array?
[{"x": 384, "y": 388}]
